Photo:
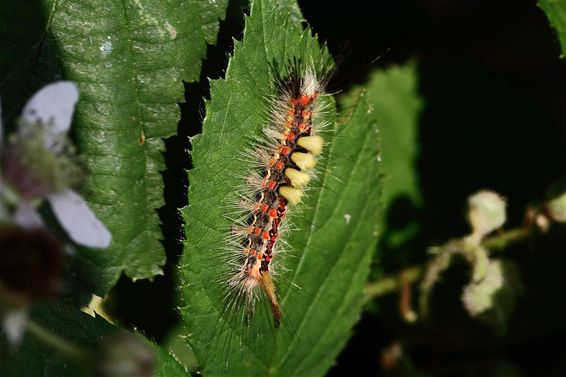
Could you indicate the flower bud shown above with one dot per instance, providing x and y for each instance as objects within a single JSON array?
[
  {"x": 486, "y": 212},
  {"x": 556, "y": 208},
  {"x": 492, "y": 299},
  {"x": 478, "y": 297}
]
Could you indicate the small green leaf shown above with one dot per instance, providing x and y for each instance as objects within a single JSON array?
[
  {"x": 555, "y": 10},
  {"x": 334, "y": 233},
  {"x": 393, "y": 94},
  {"x": 129, "y": 58},
  {"x": 33, "y": 357}
]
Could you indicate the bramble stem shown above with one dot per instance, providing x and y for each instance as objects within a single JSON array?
[
  {"x": 58, "y": 343},
  {"x": 388, "y": 284},
  {"x": 391, "y": 283},
  {"x": 504, "y": 239}
]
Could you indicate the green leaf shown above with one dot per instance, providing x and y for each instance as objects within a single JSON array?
[
  {"x": 33, "y": 357},
  {"x": 177, "y": 345},
  {"x": 129, "y": 59},
  {"x": 555, "y": 10},
  {"x": 393, "y": 94},
  {"x": 334, "y": 233}
]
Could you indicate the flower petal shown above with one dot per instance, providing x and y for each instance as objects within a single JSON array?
[
  {"x": 52, "y": 105},
  {"x": 14, "y": 323},
  {"x": 27, "y": 217},
  {"x": 78, "y": 220}
]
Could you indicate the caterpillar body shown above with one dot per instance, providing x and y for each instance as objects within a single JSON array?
[{"x": 286, "y": 157}]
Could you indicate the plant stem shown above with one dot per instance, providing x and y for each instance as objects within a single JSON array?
[
  {"x": 58, "y": 343},
  {"x": 504, "y": 239},
  {"x": 391, "y": 283}
]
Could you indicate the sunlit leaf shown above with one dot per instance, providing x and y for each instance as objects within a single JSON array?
[
  {"x": 334, "y": 234},
  {"x": 129, "y": 59}
]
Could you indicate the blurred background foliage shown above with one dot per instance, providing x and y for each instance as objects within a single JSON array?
[{"x": 490, "y": 88}]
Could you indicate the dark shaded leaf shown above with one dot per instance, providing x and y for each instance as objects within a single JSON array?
[{"x": 555, "y": 10}]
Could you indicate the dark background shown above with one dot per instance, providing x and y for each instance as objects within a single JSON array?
[{"x": 494, "y": 117}]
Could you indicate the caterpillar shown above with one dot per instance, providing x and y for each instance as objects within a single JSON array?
[{"x": 286, "y": 156}]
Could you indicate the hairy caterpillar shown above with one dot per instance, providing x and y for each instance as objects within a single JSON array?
[{"x": 286, "y": 157}]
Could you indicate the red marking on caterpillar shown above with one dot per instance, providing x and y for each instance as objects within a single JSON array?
[{"x": 286, "y": 157}]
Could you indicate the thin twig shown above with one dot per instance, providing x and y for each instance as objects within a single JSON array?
[{"x": 389, "y": 284}]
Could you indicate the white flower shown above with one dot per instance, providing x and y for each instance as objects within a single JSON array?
[
  {"x": 51, "y": 108},
  {"x": 48, "y": 114},
  {"x": 27, "y": 217},
  {"x": 36, "y": 165},
  {"x": 78, "y": 220}
]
